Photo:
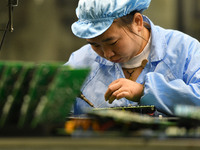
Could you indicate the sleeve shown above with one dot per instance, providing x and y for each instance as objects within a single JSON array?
[{"x": 165, "y": 95}]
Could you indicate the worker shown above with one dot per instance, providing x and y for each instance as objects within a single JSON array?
[{"x": 133, "y": 61}]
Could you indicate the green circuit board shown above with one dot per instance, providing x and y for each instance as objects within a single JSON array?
[{"x": 33, "y": 94}]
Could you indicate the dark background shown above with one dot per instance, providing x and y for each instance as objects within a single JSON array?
[{"x": 42, "y": 28}]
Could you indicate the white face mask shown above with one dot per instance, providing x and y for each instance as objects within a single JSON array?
[{"x": 136, "y": 61}]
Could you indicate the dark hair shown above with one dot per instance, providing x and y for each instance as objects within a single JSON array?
[{"x": 127, "y": 20}]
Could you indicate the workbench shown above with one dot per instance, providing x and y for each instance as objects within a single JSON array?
[{"x": 118, "y": 143}]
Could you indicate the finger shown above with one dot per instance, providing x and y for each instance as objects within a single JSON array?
[
  {"x": 111, "y": 99},
  {"x": 111, "y": 88},
  {"x": 122, "y": 95},
  {"x": 115, "y": 95},
  {"x": 107, "y": 95}
]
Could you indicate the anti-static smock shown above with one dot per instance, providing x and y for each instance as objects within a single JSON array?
[{"x": 171, "y": 76}]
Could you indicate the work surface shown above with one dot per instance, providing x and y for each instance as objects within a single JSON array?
[{"x": 64, "y": 143}]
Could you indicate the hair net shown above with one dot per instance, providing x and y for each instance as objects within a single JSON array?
[{"x": 96, "y": 16}]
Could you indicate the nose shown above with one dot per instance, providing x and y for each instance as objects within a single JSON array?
[{"x": 108, "y": 53}]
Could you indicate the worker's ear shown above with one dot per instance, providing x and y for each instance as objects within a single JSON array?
[{"x": 137, "y": 22}]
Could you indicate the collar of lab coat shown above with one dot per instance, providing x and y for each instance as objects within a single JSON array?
[{"x": 158, "y": 43}]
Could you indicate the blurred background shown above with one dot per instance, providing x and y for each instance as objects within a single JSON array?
[{"x": 42, "y": 28}]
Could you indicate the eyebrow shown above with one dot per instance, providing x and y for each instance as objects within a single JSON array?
[
  {"x": 91, "y": 43},
  {"x": 108, "y": 39}
]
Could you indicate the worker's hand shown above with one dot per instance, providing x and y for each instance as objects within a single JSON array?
[{"x": 124, "y": 88}]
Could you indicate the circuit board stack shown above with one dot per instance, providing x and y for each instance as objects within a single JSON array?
[{"x": 36, "y": 95}]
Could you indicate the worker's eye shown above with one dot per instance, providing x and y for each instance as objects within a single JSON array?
[
  {"x": 114, "y": 43},
  {"x": 95, "y": 45}
]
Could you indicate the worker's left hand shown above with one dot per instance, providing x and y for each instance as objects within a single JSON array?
[{"x": 121, "y": 88}]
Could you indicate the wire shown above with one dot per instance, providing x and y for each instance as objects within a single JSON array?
[
  {"x": 4, "y": 34},
  {"x": 9, "y": 25}
]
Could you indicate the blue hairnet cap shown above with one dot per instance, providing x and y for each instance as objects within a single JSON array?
[{"x": 96, "y": 16}]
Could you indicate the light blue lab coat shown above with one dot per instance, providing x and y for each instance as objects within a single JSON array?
[{"x": 171, "y": 77}]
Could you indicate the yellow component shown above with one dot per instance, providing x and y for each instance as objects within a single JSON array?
[{"x": 70, "y": 127}]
